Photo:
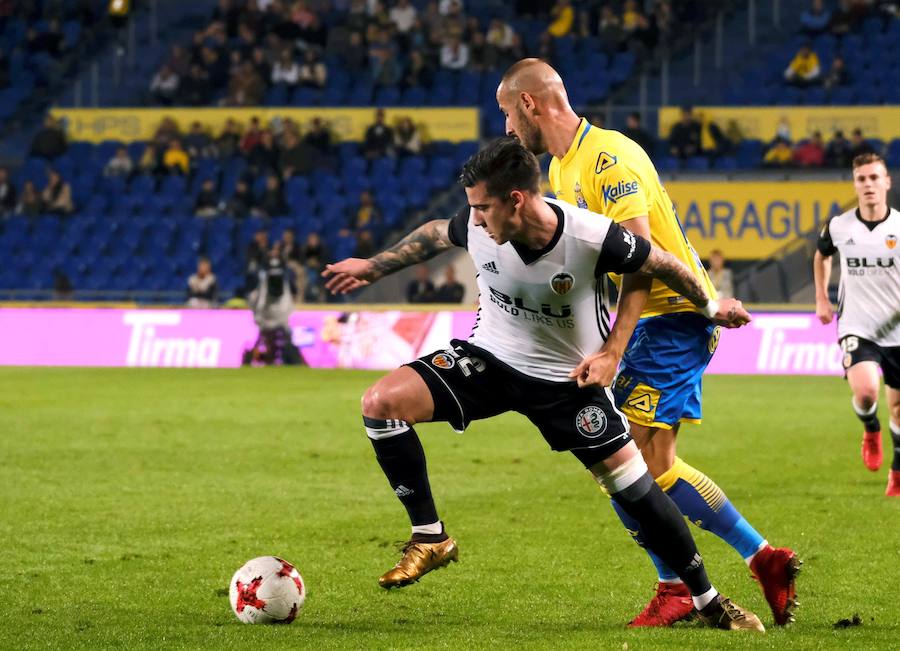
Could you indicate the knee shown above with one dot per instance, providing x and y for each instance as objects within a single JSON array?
[
  {"x": 380, "y": 401},
  {"x": 866, "y": 397}
]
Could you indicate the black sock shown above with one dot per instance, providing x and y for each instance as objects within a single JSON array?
[
  {"x": 870, "y": 422},
  {"x": 895, "y": 437},
  {"x": 664, "y": 531},
  {"x": 403, "y": 461}
]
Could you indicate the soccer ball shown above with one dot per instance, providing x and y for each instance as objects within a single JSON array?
[{"x": 267, "y": 590}]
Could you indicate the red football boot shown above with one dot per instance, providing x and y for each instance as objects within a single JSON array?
[
  {"x": 776, "y": 570},
  {"x": 893, "y": 487},
  {"x": 671, "y": 603},
  {"x": 871, "y": 450}
]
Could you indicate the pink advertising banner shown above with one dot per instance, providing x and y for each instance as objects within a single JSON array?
[{"x": 774, "y": 343}]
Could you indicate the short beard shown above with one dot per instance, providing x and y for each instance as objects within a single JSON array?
[{"x": 530, "y": 137}]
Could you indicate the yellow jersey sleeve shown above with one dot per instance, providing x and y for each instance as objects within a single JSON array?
[{"x": 619, "y": 192}]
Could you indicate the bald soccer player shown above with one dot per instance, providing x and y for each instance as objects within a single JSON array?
[{"x": 660, "y": 343}]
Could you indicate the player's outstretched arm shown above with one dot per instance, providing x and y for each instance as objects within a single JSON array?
[
  {"x": 422, "y": 244},
  {"x": 666, "y": 267},
  {"x": 821, "y": 274}
]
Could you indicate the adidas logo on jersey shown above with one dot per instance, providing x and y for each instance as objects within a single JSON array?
[
  {"x": 490, "y": 266},
  {"x": 402, "y": 491}
]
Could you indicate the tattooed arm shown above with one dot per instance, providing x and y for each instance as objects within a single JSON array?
[
  {"x": 422, "y": 244},
  {"x": 674, "y": 273}
]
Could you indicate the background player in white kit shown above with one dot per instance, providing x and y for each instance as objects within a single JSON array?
[
  {"x": 868, "y": 303},
  {"x": 542, "y": 283}
]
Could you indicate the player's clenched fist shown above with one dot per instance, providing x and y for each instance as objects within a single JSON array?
[{"x": 731, "y": 314}]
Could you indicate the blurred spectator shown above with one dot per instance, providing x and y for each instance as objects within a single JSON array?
[
  {"x": 319, "y": 139},
  {"x": 684, "y": 138},
  {"x": 30, "y": 203},
  {"x": 451, "y": 290},
  {"x": 722, "y": 144},
  {"x": 286, "y": 70},
  {"x": 403, "y": 16},
  {"x": 610, "y": 30},
  {"x": 313, "y": 73},
  {"x": 631, "y": 16},
  {"x": 815, "y": 19},
  {"x": 194, "y": 89},
  {"x": 4, "y": 69},
  {"x": 500, "y": 35},
  {"x": 734, "y": 132},
  {"x": 166, "y": 132},
  {"x": 120, "y": 164},
  {"x": 636, "y": 132},
  {"x": 365, "y": 245},
  {"x": 62, "y": 286},
  {"x": 176, "y": 159},
  {"x": 202, "y": 287},
  {"x": 314, "y": 257},
  {"x": 563, "y": 17},
  {"x": 228, "y": 142},
  {"x": 207, "y": 202},
  {"x": 783, "y": 130},
  {"x": 49, "y": 41},
  {"x": 260, "y": 60},
  {"x": 837, "y": 74},
  {"x": 292, "y": 254},
  {"x": 810, "y": 152},
  {"x": 257, "y": 253},
  {"x": 720, "y": 275},
  {"x": 779, "y": 154},
  {"x": 355, "y": 56},
  {"x": 164, "y": 86},
  {"x": 49, "y": 141},
  {"x": 151, "y": 161},
  {"x": 7, "y": 193},
  {"x": 804, "y": 68},
  {"x": 368, "y": 213},
  {"x": 859, "y": 145},
  {"x": 383, "y": 64},
  {"x": 421, "y": 289},
  {"x": 450, "y": 7},
  {"x": 216, "y": 66},
  {"x": 57, "y": 195},
  {"x": 418, "y": 71},
  {"x": 251, "y": 136},
  {"x": 271, "y": 203},
  {"x": 241, "y": 202},
  {"x": 479, "y": 57},
  {"x": 296, "y": 157},
  {"x": 263, "y": 158},
  {"x": 379, "y": 138},
  {"x": 454, "y": 54},
  {"x": 246, "y": 88},
  {"x": 546, "y": 48},
  {"x": 197, "y": 142},
  {"x": 843, "y": 19},
  {"x": 406, "y": 137},
  {"x": 179, "y": 61},
  {"x": 837, "y": 153}
]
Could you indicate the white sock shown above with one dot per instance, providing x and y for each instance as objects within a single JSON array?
[
  {"x": 762, "y": 545},
  {"x": 864, "y": 413},
  {"x": 433, "y": 528},
  {"x": 703, "y": 600},
  {"x": 674, "y": 581}
]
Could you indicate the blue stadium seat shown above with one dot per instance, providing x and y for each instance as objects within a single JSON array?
[{"x": 697, "y": 164}]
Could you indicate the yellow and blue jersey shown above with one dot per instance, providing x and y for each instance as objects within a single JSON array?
[{"x": 608, "y": 173}]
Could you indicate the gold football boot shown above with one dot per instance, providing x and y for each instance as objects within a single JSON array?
[
  {"x": 419, "y": 558},
  {"x": 729, "y": 616}
]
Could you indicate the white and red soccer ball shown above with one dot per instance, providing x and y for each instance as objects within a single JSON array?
[{"x": 267, "y": 590}]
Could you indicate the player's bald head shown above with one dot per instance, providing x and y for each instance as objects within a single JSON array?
[{"x": 536, "y": 78}]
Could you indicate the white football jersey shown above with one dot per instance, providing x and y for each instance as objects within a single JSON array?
[
  {"x": 543, "y": 312},
  {"x": 869, "y": 294}
]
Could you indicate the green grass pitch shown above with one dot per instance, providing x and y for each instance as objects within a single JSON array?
[{"x": 129, "y": 497}]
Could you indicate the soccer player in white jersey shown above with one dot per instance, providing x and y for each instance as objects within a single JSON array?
[
  {"x": 542, "y": 266},
  {"x": 868, "y": 304}
]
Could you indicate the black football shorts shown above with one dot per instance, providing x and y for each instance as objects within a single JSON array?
[
  {"x": 468, "y": 383},
  {"x": 856, "y": 350}
]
